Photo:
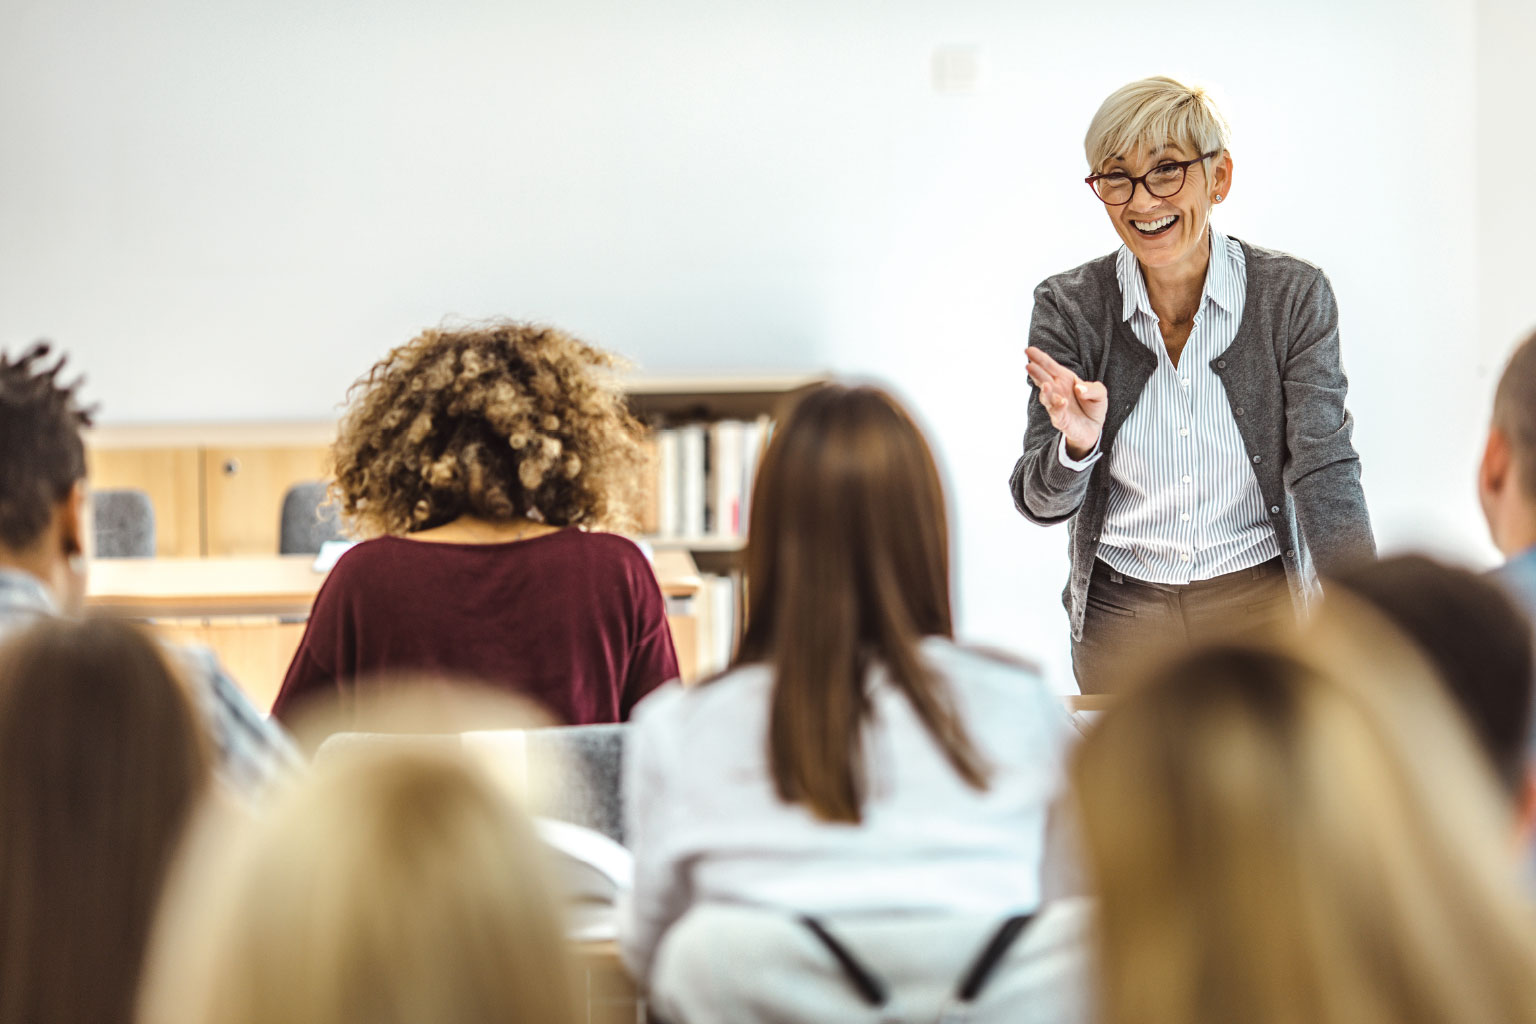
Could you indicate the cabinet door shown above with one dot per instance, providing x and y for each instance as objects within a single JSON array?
[
  {"x": 244, "y": 490},
  {"x": 172, "y": 479}
]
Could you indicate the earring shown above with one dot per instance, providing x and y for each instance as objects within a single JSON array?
[{"x": 1218, "y": 197}]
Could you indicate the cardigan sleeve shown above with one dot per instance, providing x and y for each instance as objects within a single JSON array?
[
  {"x": 1044, "y": 490},
  {"x": 1322, "y": 469}
]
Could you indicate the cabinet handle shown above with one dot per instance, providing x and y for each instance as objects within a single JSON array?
[{"x": 231, "y": 467}]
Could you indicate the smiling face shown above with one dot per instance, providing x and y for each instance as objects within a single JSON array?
[{"x": 1169, "y": 233}]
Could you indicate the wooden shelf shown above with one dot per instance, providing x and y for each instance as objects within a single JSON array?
[
  {"x": 710, "y": 544},
  {"x": 700, "y": 397}
]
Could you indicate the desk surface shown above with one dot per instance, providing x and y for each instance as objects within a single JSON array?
[{"x": 263, "y": 585}]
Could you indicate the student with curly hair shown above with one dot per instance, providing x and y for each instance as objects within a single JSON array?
[{"x": 484, "y": 463}]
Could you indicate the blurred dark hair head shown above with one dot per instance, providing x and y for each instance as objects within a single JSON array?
[
  {"x": 41, "y": 453},
  {"x": 1475, "y": 637},
  {"x": 1514, "y": 410},
  {"x": 102, "y": 757},
  {"x": 847, "y": 566}
]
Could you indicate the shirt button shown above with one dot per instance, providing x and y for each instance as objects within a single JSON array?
[
  {"x": 1184, "y": 557},
  {"x": 1238, "y": 411},
  {"x": 1274, "y": 510},
  {"x": 1186, "y": 478},
  {"x": 1184, "y": 516},
  {"x": 1186, "y": 382},
  {"x": 1221, "y": 364},
  {"x": 1258, "y": 458},
  {"x": 1290, "y": 554},
  {"x": 1183, "y": 431}
]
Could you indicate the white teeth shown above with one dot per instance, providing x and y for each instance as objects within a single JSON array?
[{"x": 1154, "y": 225}]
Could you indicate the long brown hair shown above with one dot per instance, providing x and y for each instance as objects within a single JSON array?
[
  {"x": 102, "y": 757},
  {"x": 847, "y": 566}
]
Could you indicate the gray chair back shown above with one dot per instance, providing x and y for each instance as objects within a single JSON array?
[
  {"x": 124, "y": 523},
  {"x": 307, "y": 522},
  {"x": 573, "y": 772},
  {"x": 576, "y": 771}
]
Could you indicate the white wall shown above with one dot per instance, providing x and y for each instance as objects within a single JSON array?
[
  {"x": 1506, "y": 151},
  {"x": 230, "y": 210}
]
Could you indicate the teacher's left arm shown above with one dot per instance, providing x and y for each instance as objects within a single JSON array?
[{"x": 1322, "y": 468}]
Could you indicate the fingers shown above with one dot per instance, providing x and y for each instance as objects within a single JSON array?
[
  {"x": 1042, "y": 363},
  {"x": 1091, "y": 392}
]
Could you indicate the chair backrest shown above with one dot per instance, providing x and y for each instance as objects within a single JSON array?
[
  {"x": 921, "y": 961},
  {"x": 307, "y": 521},
  {"x": 124, "y": 523},
  {"x": 572, "y": 772},
  {"x": 576, "y": 772}
]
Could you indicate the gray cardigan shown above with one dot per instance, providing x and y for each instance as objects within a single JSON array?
[{"x": 1286, "y": 387}]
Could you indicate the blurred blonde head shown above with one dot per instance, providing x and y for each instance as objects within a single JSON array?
[
  {"x": 392, "y": 888},
  {"x": 1151, "y": 113},
  {"x": 1276, "y": 841}
]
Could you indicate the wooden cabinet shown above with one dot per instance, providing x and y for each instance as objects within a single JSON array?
[
  {"x": 172, "y": 477},
  {"x": 243, "y": 489},
  {"x": 218, "y": 489}
]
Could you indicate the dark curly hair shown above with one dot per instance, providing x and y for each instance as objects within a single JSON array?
[
  {"x": 497, "y": 421},
  {"x": 41, "y": 453}
]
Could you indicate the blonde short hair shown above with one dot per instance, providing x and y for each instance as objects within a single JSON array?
[
  {"x": 392, "y": 888},
  {"x": 1151, "y": 113}
]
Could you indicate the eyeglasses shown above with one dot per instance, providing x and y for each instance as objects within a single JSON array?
[{"x": 1166, "y": 179}]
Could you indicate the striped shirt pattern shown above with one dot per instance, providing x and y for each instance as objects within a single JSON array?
[{"x": 1184, "y": 504}]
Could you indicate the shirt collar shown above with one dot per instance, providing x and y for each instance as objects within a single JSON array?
[
  {"x": 1218, "y": 276},
  {"x": 23, "y": 592}
]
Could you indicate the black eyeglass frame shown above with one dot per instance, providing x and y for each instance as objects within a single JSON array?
[{"x": 1182, "y": 165}]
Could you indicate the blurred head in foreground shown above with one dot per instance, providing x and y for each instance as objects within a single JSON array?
[
  {"x": 102, "y": 757},
  {"x": 392, "y": 888},
  {"x": 1477, "y": 640},
  {"x": 1277, "y": 838},
  {"x": 847, "y": 565},
  {"x": 1507, "y": 477}
]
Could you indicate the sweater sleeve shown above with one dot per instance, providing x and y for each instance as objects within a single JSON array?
[
  {"x": 653, "y": 659},
  {"x": 1322, "y": 469},
  {"x": 1044, "y": 490}
]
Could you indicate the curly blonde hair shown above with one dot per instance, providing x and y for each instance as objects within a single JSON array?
[{"x": 497, "y": 421}]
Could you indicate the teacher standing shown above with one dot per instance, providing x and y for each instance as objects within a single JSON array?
[{"x": 1190, "y": 424}]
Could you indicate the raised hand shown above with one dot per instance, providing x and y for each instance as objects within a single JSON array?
[{"x": 1077, "y": 407}]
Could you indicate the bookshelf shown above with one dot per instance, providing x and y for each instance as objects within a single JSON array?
[{"x": 707, "y": 434}]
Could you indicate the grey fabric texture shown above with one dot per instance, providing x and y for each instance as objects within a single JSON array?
[
  {"x": 573, "y": 771},
  {"x": 305, "y": 524},
  {"x": 576, "y": 772},
  {"x": 124, "y": 523},
  {"x": 1286, "y": 385}
]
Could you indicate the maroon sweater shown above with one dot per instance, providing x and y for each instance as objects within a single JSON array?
[{"x": 574, "y": 620}]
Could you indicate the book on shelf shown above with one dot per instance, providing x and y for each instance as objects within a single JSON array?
[
  {"x": 717, "y": 606},
  {"x": 701, "y": 479}
]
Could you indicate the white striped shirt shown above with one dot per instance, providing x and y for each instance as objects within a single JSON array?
[{"x": 1183, "y": 501}]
